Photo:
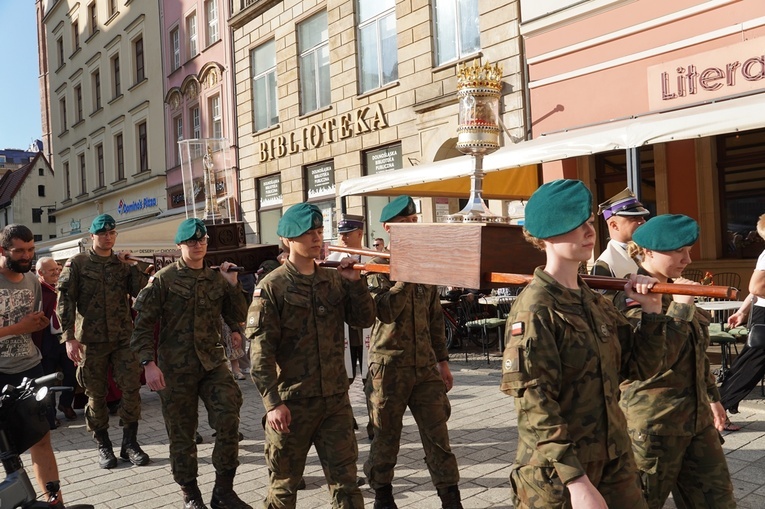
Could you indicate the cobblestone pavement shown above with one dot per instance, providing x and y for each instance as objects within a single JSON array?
[{"x": 482, "y": 430}]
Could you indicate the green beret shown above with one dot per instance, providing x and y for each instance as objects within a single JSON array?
[
  {"x": 190, "y": 229},
  {"x": 400, "y": 206},
  {"x": 299, "y": 219},
  {"x": 666, "y": 232},
  {"x": 557, "y": 207},
  {"x": 102, "y": 223}
]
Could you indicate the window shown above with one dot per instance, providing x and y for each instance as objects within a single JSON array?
[
  {"x": 51, "y": 217},
  {"x": 143, "y": 147},
  {"x": 211, "y": 8},
  {"x": 76, "y": 35},
  {"x": 191, "y": 31},
  {"x": 116, "y": 76},
  {"x": 119, "y": 154},
  {"x": 93, "y": 12},
  {"x": 78, "y": 102},
  {"x": 112, "y": 7},
  {"x": 37, "y": 237},
  {"x": 178, "y": 122},
  {"x": 140, "y": 75},
  {"x": 264, "y": 97},
  {"x": 216, "y": 125},
  {"x": 378, "y": 48},
  {"x": 196, "y": 131},
  {"x": 62, "y": 111},
  {"x": 60, "y": 51},
  {"x": 456, "y": 29},
  {"x": 175, "y": 42},
  {"x": 67, "y": 185},
  {"x": 41, "y": 172},
  {"x": 83, "y": 175},
  {"x": 100, "y": 165},
  {"x": 37, "y": 216},
  {"x": 41, "y": 188},
  {"x": 96, "y": 90},
  {"x": 313, "y": 45}
]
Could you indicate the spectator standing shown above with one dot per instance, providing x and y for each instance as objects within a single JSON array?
[
  {"x": 623, "y": 213},
  {"x": 296, "y": 323},
  {"x": 188, "y": 299},
  {"x": 408, "y": 367},
  {"x": 94, "y": 306},
  {"x": 379, "y": 245}
]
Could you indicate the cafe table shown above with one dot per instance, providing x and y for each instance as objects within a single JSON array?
[{"x": 721, "y": 310}]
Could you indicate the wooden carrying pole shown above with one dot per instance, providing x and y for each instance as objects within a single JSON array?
[{"x": 359, "y": 251}]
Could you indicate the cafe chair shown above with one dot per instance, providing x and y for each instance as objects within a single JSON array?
[
  {"x": 481, "y": 323},
  {"x": 727, "y": 279},
  {"x": 724, "y": 339},
  {"x": 693, "y": 274}
]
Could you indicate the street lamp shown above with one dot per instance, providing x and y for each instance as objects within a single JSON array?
[{"x": 478, "y": 90}]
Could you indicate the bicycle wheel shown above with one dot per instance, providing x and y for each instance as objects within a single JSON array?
[
  {"x": 450, "y": 333},
  {"x": 486, "y": 341}
]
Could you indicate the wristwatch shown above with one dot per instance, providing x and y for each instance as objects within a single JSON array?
[{"x": 144, "y": 363}]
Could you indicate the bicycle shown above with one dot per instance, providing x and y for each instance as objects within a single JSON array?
[{"x": 23, "y": 422}]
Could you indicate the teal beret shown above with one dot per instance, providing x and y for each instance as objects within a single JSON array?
[
  {"x": 102, "y": 223},
  {"x": 299, "y": 219},
  {"x": 190, "y": 229},
  {"x": 666, "y": 232},
  {"x": 557, "y": 207},
  {"x": 400, "y": 206}
]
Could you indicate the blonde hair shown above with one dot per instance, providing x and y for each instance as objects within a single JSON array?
[
  {"x": 635, "y": 252},
  {"x": 534, "y": 241},
  {"x": 761, "y": 226}
]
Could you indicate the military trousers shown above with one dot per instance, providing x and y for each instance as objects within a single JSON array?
[
  {"x": 92, "y": 374},
  {"x": 539, "y": 487},
  {"x": 222, "y": 399},
  {"x": 695, "y": 463},
  {"x": 390, "y": 390},
  {"x": 327, "y": 424}
]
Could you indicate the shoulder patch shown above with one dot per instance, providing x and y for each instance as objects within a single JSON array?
[
  {"x": 517, "y": 329},
  {"x": 631, "y": 303},
  {"x": 256, "y": 292},
  {"x": 151, "y": 280},
  {"x": 68, "y": 263}
]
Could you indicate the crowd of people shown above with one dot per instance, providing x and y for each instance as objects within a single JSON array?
[{"x": 616, "y": 403}]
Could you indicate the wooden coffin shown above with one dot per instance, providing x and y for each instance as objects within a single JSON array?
[{"x": 459, "y": 254}]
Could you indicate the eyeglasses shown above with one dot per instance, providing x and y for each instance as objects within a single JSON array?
[
  {"x": 196, "y": 242},
  {"x": 108, "y": 234},
  {"x": 377, "y": 245}
]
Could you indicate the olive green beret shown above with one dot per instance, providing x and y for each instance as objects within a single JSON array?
[
  {"x": 190, "y": 229},
  {"x": 557, "y": 207},
  {"x": 666, "y": 232},
  {"x": 299, "y": 219},
  {"x": 400, "y": 206},
  {"x": 102, "y": 223}
]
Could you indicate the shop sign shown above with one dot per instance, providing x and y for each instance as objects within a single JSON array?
[
  {"x": 722, "y": 72},
  {"x": 321, "y": 180},
  {"x": 362, "y": 120},
  {"x": 270, "y": 191},
  {"x": 383, "y": 159},
  {"x": 126, "y": 208}
]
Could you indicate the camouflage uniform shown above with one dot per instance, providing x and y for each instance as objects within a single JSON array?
[
  {"x": 566, "y": 354},
  {"x": 188, "y": 303},
  {"x": 296, "y": 326},
  {"x": 408, "y": 341},
  {"x": 94, "y": 307},
  {"x": 671, "y": 423}
]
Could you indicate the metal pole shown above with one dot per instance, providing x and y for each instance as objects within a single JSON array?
[{"x": 633, "y": 171}]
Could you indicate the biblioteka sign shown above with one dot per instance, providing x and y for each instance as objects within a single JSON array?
[
  {"x": 362, "y": 120},
  {"x": 710, "y": 75}
]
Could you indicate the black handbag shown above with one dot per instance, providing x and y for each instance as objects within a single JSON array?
[{"x": 756, "y": 338}]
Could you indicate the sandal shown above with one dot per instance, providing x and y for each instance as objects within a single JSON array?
[{"x": 730, "y": 427}]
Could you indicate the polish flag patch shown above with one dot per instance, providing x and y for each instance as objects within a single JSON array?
[{"x": 516, "y": 329}]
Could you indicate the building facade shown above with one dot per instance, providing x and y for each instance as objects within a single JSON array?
[
  {"x": 27, "y": 197},
  {"x": 327, "y": 91},
  {"x": 106, "y": 111}
]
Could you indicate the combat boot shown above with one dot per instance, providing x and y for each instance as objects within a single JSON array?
[
  {"x": 192, "y": 498},
  {"x": 384, "y": 498},
  {"x": 450, "y": 497},
  {"x": 106, "y": 458},
  {"x": 131, "y": 451},
  {"x": 223, "y": 496}
]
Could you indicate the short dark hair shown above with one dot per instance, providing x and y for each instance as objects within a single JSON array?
[{"x": 15, "y": 231}]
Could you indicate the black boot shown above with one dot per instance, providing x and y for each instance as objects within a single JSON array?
[
  {"x": 131, "y": 451},
  {"x": 450, "y": 497},
  {"x": 192, "y": 498},
  {"x": 106, "y": 458},
  {"x": 384, "y": 498},
  {"x": 223, "y": 496}
]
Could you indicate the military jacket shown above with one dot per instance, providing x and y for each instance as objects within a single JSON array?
[
  {"x": 409, "y": 330},
  {"x": 566, "y": 353},
  {"x": 94, "y": 297},
  {"x": 676, "y": 400},
  {"x": 298, "y": 337},
  {"x": 188, "y": 304}
]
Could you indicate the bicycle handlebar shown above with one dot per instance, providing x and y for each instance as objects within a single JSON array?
[{"x": 48, "y": 379}]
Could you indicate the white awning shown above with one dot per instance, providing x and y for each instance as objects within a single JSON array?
[{"x": 733, "y": 115}]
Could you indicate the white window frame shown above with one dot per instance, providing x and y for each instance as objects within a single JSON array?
[
  {"x": 175, "y": 45},
  {"x": 375, "y": 21},
  {"x": 311, "y": 55},
  {"x": 266, "y": 75},
  {"x": 454, "y": 26},
  {"x": 216, "y": 118},
  {"x": 178, "y": 137},
  {"x": 211, "y": 11},
  {"x": 191, "y": 31}
]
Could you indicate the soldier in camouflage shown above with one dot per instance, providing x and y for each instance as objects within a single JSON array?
[
  {"x": 409, "y": 366},
  {"x": 188, "y": 298},
  {"x": 296, "y": 323},
  {"x": 675, "y": 417},
  {"x": 94, "y": 305},
  {"x": 567, "y": 349}
]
